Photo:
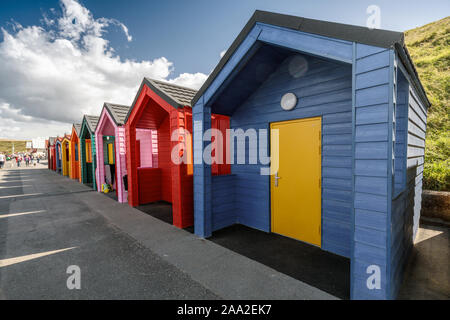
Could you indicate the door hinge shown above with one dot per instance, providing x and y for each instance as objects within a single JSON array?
[
  {"x": 320, "y": 183},
  {"x": 319, "y": 229},
  {"x": 320, "y": 135}
]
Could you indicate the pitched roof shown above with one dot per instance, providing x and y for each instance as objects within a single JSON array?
[
  {"x": 180, "y": 96},
  {"x": 176, "y": 96},
  {"x": 374, "y": 37},
  {"x": 51, "y": 140},
  {"x": 77, "y": 127},
  {"x": 91, "y": 121},
  {"x": 118, "y": 112}
]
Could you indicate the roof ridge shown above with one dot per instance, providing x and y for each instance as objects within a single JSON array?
[
  {"x": 115, "y": 110},
  {"x": 303, "y": 19},
  {"x": 115, "y": 104},
  {"x": 170, "y": 84},
  {"x": 90, "y": 115}
]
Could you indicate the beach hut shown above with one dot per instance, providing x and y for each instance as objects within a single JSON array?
[
  {"x": 58, "y": 154},
  {"x": 87, "y": 150},
  {"x": 65, "y": 155},
  {"x": 47, "y": 152},
  {"x": 51, "y": 153},
  {"x": 347, "y": 118},
  {"x": 74, "y": 152},
  {"x": 158, "y": 120},
  {"x": 110, "y": 149}
]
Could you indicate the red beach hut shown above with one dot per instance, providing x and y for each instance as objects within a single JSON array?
[{"x": 159, "y": 109}]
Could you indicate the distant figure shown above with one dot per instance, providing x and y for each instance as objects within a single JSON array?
[{"x": 2, "y": 160}]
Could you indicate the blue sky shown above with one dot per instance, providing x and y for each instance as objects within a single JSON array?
[
  {"x": 192, "y": 33},
  {"x": 65, "y": 58}
]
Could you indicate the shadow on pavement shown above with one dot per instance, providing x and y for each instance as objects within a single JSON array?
[{"x": 301, "y": 261}]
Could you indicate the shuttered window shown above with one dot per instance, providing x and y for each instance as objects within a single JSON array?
[
  {"x": 88, "y": 151},
  {"x": 110, "y": 153},
  {"x": 76, "y": 151},
  {"x": 108, "y": 150}
]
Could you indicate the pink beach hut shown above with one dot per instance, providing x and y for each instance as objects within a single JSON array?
[{"x": 110, "y": 147}]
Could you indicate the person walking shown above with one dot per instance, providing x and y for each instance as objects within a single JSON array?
[{"x": 2, "y": 160}]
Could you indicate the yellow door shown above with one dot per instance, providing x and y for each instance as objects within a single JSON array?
[
  {"x": 70, "y": 159},
  {"x": 296, "y": 187},
  {"x": 65, "y": 166}
]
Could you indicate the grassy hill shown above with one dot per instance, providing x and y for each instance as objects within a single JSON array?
[
  {"x": 429, "y": 47},
  {"x": 6, "y": 145}
]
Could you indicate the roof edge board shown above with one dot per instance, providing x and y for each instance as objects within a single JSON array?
[{"x": 403, "y": 54}]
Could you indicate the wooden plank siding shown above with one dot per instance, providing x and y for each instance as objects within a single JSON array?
[
  {"x": 145, "y": 136},
  {"x": 324, "y": 91},
  {"x": 371, "y": 179},
  {"x": 201, "y": 121},
  {"x": 407, "y": 205},
  {"x": 224, "y": 211},
  {"x": 122, "y": 165}
]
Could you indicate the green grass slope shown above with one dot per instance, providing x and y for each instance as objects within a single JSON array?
[
  {"x": 6, "y": 146},
  {"x": 429, "y": 47}
]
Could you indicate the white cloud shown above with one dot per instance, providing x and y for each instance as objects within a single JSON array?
[
  {"x": 6, "y": 112},
  {"x": 12, "y": 129},
  {"x": 65, "y": 68},
  {"x": 190, "y": 80}
]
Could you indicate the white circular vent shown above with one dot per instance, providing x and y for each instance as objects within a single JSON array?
[{"x": 288, "y": 101}]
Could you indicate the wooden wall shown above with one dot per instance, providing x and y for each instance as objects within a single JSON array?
[
  {"x": 146, "y": 142},
  {"x": 406, "y": 205},
  {"x": 323, "y": 90},
  {"x": 372, "y": 154}
]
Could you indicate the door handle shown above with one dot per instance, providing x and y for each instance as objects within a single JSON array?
[{"x": 276, "y": 179}]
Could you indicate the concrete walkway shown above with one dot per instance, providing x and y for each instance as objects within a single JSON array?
[
  {"x": 122, "y": 253},
  {"x": 428, "y": 273}
]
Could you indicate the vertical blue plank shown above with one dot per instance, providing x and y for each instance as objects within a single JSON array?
[
  {"x": 352, "y": 221},
  {"x": 201, "y": 117},
  {"x": 368, "y": 62}
]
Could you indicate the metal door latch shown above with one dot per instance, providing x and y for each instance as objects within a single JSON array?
[{"x": 276, "y": 179}]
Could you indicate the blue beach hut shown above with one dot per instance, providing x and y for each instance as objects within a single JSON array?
[
  {"x": 58, "y": 153},
  {"x": 350, "y": 114}
]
